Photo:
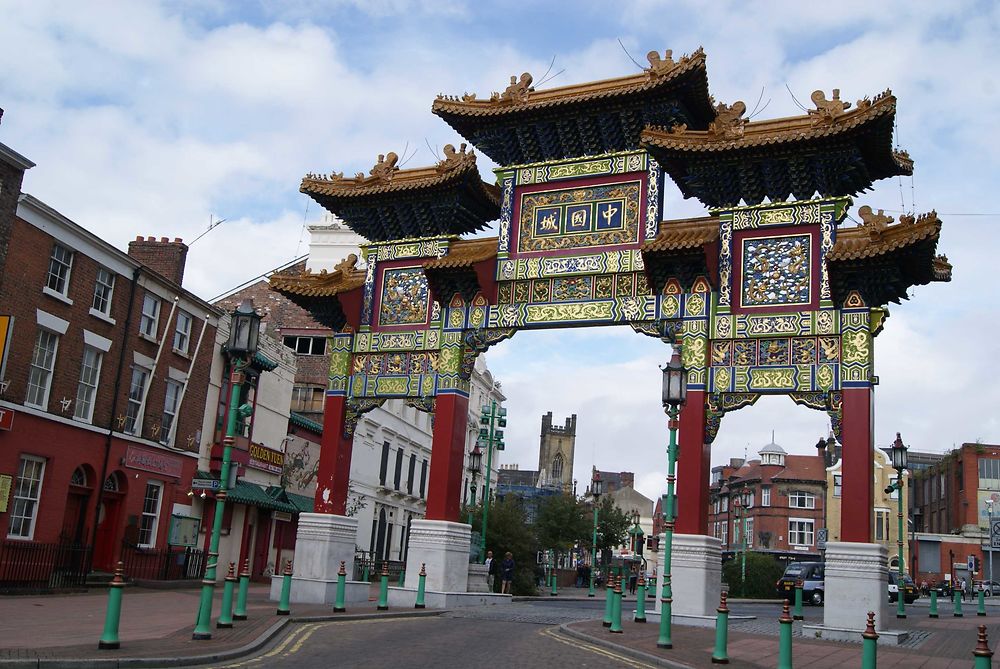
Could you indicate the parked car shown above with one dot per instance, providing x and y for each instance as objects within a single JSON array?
[
  {"x": 990, "y": 588},
  {"x": 910, "y": 592},
  {"x": 943, "y": 589},
  {"x": 811, "y": 574}
]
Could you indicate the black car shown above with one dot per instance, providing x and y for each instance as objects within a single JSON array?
[
  {"x": 910, "y": 592},
  {"x": 812, "y": 577}
]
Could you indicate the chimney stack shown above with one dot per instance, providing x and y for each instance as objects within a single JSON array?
[{"x": 163, "y": 256}]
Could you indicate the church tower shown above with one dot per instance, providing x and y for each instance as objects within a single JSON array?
[{"x": 556, "y": 451}]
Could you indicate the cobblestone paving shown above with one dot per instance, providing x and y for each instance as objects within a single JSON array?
[{"x": 537, "y": 614}]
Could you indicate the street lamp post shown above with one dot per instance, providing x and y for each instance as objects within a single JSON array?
[
  {"x": 492, "y": 418},
  {"x": 475, "y": 465},
  {"x": 673, "y": 396},
  {"x": 745, "y": 499},
  {"x": 899, "y": 464},
  {"x": 596, "y": 488},
  {"x": 989, "y": 538},
  {"x": 244, "y": 330}
]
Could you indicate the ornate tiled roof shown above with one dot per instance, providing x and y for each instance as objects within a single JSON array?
[
  {"x": 462, "y": 270},
  {"x": 829, "y": 150},
  {"x": 465, "y": 253},
  {"x": 524, "y": 125},
  {"x": 317, "y": 292},
  {"x": 683, "y": 250},
  {"x": 684, "y": 234},
  {"x": 448, "y": 198},
  {"x": 877, "y": 236}
]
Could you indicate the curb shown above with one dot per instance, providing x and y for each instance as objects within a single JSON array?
[
  {"x": 256, "y": 644},
  {"x": 624, "y": 650}
]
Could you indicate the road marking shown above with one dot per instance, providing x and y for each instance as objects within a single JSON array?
[{"x": 583, "y": 645}]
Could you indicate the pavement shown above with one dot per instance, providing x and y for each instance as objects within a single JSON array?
[{"x": 156, "y": 625}]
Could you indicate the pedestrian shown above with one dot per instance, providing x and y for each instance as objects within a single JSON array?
[
  {"x": 961, "y": 585},
  {"x": 506, "y": 572},
  {"x": 491, "y": 570},
  {"x": 633, "y": 579}
]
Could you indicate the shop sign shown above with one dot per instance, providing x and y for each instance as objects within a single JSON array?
[
  {"x": 150, "y": 461},
  {"x": 283, "y": 516},
  {"x": 6, "y": 418},
  {"x": 5, "y": 482},
  {"x": 266, "y": 459},
  {"x": 206, "y": 484}
]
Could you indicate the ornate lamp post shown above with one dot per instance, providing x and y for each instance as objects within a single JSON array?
[
  {"x": 989, "y": 533},
  {"x": 745, "y": 499},
  {"x": 899, "y": 464},
  {"x": 596, "y": 489},
  {"x": 475, "y": 466},
  {"x": 492, "y": 418},
  {"x": 244, "y": 330},
  {"x": 674, "y": 395}
]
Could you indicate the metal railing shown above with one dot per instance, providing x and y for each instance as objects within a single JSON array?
[
  {"x": 30, "y": 565},
  {"x": 364, "y": 559},
  {"x": 167, "y": 564}
]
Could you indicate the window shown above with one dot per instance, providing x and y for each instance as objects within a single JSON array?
[
  {"x": 86, "y": 389},
  {"x": 412, "y": 469},
  {"x": 725, "y": 533},
  {"x": 557, "y": 467},
  {"x": 136, "y": 390},
  {"x": 182, "y": 334},
  {"x": 399, "y": 469},
  {"x": 60, "y": 263},
  {"x": 942, "y": 486},
  {"x": 798, "y": 499},
  {"x": 24, "y": 506},
  {"x": 384, "y": 466},
  {"x": 423, "y": 477},
  {"x": 892, "y": 482},
  {"x": 800, "y": 532},
  {"x": 150, "y": 316},
  {"x": 307, "y": 399},
  {"x": 43, "y": 359},
  {"x": 749, "y": 532},
  {"x": 765, "y": 495},
  {"x": 881, "y": 524},
  {"x": 150, "y": 514},
  {"x": 306, "y": 345},
  {"x": 171, "y": 400},
  {"x": 838, "y": 484},
  {"x": 989, "y": 474},
  {"x": 725, "y": 504},
  {"x": 103, "y": 287}
]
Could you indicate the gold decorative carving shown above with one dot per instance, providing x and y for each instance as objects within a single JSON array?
[
  {"x": 827, "y": 111},
  {"x": 454, "y": 160},
  {"x": 876, "y": 224},
  {"x": 729, "y": 121},
  {"x": 660, "y": 66},
  {"x": 384, "y": 168},
  {"x": 517, "y": 91}
]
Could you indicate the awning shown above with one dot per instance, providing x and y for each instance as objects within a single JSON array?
[
  {"x": 299, "y": 503},
  {"x": 252, "y": 494}
]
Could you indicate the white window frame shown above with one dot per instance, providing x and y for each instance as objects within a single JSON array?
[
  {"x": 808, "y": 500},
  {"x": 103, "y": 291},
  {"x": 749, "y": 531},
  {"x": 171, "y": 402},
  {"x": 765, "y": 495},
  {"x": 63, "y": 268},
  {"x": 895, "y": 492},
  {"x": 135, "y": 396},
  {"x": 153, "y": 517},
  {"x": 882, "y": 524},
  {"x": 182, "y": 331},
  {"x": 30, "y": 502},
  {"x": 725, "y": 532},
  {"x": 86, "y": 387},
  {"x": 40, "y": 376},
  {"x": 838, "y": 485},
  {"x": 808, "y": 529},
  {"x": 149, "y": 322},
  {"x": 299, "y": 346}
]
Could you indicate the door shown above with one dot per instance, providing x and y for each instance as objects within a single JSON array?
[
  {"x": 108, "y": 524},
  {"x": 260, "y": 551}
]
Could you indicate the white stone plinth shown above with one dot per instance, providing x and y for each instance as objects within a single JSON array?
[
  {"x": 315, "y": 591},
  {"x": 405, "y": 598},
  {"x": 477, "y": 578},
  {"x": 696, "y": 575},
  {"x": 856, "y": 582},
  {"x": 442, "y": 546},
  {"x": 322, "y": 542}
]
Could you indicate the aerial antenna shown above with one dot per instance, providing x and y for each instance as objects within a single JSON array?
[
  {"x": 545, "y": 81},
  {"x": 629, "y": 55},
  {"x": 406, "y": 158},
  {"x": 795, "y": 99},
  {"x": 757, "y": 109},
  {"x": 302, "y": 230},
  {"x": 541, "y": 79},
  {"x": 212, "y": 224},
  {"x": 433, "y": 150}
]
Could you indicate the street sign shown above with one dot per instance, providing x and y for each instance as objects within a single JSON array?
[
  {"x": 821, "y": 537},
  {"x": 995, "y": 534},
  {"x": 971, "y": 563},
  {"x": 207, "y": 484}
]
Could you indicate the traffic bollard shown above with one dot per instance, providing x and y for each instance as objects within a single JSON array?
[
  {"x": 981, "y": 610},
  {"x": 616, "y": 611},
  {"x": 365, "y": 574},
  {"x": 785, "y": 640},
  {"x": 797, "y": 612},
  {"x": 609, "y": 599},
  {"x": 640, "y": 600},
  {"x": 109, "y": 640},
  {"x": 420, "y": 586},
  {"x": 286, "y": 590},
  {"x": 338, "y": 604},
  {"x": 225, "y": 620},
  {"x": 720, "y": 654},
  {"x": 982, "y": 653},
  {"x": 552, "y": 576},
  {"x": 383, "y": 589},
  {"x": 402, "y": 578},
  {"x": 869, "y": 644},
  {"x": 933, "y": 612},
  {"x": 651, "y": 586},
  {"x": 958, "y": 604},
  {"x": 240, "y": 613}
]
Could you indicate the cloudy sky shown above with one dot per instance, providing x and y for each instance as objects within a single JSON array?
[{"x": 155, "y": 118}]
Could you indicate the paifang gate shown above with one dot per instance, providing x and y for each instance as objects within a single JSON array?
[{"x": 777, "y": 295}]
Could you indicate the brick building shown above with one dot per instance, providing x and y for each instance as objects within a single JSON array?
[{"x": 105, "y": 379}]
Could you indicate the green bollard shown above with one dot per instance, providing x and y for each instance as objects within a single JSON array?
[
  {"x": 552, "y": 576},
  {"x": 402, "y": 578},
  {"x": 338, "y": 605},
  {"x": 241, "y": 597},
  {"x": 720, "y": 654},
  {"x": 420, "y": 586},
  {"x": 934, "y": 612},
  {"x": 981, "y": 611},
  {"x": 365, "y": 575},
  {"x": 869, "y": 644},
  {"x": 225, "y": 620},
  {"x": 651, "y": 587},
  {"x": 958, "y": 604},
  {"x": 640, "y": 600},
  {"x": 797, "y": 613},
  {"x": 109, "y": 640},
  {"x": 286, "y": 590},
  {"x": 982, "y": 653},
  {"x": 616, "y": 610},
  {"x": 609, "y": 600},
  {"x": 785, "y": 640},
  {"x": 383, "y": 589}
]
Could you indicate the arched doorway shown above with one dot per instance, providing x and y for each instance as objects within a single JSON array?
[
  {"x": 81, "y": 484},
  {"x": 109, "y": 521}
]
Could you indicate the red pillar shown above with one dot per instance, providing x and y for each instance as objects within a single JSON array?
[
  {"x": 451, "y": 415},
  {"x": 858, "y": 499},
  {"x": 694, "y": 467},
  {"x": 334, "y": 470}
]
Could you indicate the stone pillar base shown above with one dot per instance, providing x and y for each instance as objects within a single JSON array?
[
  {"x": 442, "y": 546},
  {"x": 856, "y": 582},
  {"x": 314, "y": 591},
  {"x": 322, "y": 542},
  {"x": 696, "y": 575},
  {"x": 478, "y": 578}
]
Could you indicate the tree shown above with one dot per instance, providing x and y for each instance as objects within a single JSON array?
[
  {"x": 561, "y": 522},
  {"x": 612, "y": 525},
  {"x": 509, "y": 531}
]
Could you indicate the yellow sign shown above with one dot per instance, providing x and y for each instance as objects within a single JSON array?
[
  {"x": 5, "y": 481},
  {"x": 6, "y": 322}
]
